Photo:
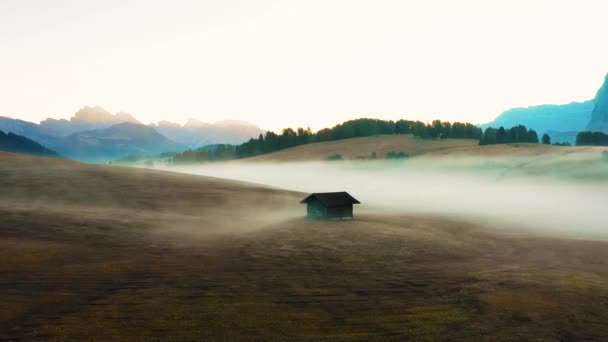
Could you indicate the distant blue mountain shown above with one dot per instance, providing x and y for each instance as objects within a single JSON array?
[
  {"x": 117, "y": 141},
  {"x": 561, "y": 122},
  {"x": 196, "y": 133},
  {"x": 100, "y": 143},
  {"x": 96, "y": 135},
  {"x": 85, "y": 119},
  {"x": 599, "y": 117},
  {"x": 572, "y": 117},
  {"x": 27, "y": 129}
]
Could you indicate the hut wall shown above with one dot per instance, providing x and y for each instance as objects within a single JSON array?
[
  {"x": 340, "y": 212},
  {"x": 315, "y": 208}
]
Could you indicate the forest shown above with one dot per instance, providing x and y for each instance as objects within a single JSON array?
[
  {"x": 591, "y": 139},
  {"x": 271, "y": 142},
  {"x": 517, "y": 134},
  {"x": 207, "y": 153}
]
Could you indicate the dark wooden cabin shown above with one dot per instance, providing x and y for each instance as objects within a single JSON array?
[{"x": 330, "y": 205}]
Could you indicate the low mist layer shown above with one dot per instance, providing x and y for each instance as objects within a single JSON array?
[{"x": 566, "y": 195}]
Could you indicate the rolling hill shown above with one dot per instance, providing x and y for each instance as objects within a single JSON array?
[
  {"x": 362, "y": 148},
  {"x": 19, "y": 144},
  {"x": 132, "y": 254}
]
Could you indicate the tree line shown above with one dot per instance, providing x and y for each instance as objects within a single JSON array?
[
  {"x": 206, "y": 153},
  {"x": 517, "y": 134},
  {"x": 591, "y": 139},
  {"x": 271, "y": 141},
  {"x": 521, "y": 134}
]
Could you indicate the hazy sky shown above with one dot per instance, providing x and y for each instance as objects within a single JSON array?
[{"x": 298, "y": 63}]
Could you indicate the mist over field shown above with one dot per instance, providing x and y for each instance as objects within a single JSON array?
[{"x": 567, "y": 195}]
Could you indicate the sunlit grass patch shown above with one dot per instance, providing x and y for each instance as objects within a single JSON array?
[
  {"x": 435, "y": 322},
  {"x": 524, "y": 304},
  {"x": 210, "y": 316},
  {"x": 427, "y": 323},
  {"x": 19, "y": 253}
]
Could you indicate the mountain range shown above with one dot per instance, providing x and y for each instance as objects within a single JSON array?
[
  {"x": 574, "y": 116},
  {"x": 561, "y": 122},
  {"x": 196, "y": 133},
  {"x": 93, "y": 134},
  {"x": 117, "y": 141},
  {"x": 87, "y": 118}
]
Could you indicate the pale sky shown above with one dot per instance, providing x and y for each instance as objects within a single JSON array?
[{"x": 298, "y": 63}]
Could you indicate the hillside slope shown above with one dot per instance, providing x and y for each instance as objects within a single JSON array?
[
  {"x": 111, "y": 253},
  {"x": 362, "y": 148},
  {"x": 19, "y": 144}
]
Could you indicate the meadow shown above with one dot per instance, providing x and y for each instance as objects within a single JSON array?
[{"x": 116, "y": 253}]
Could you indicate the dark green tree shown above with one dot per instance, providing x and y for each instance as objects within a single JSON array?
[
  {"x": 546, "y": 139},
  {"x": 591, "y": 139},
  {"x": 532, "y": 136},
  {"x": 489, "y": 137}
]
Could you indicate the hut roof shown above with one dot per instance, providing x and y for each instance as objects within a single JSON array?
[{"x": 332, "y": 199}]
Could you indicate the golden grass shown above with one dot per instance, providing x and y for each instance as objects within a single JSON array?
[
  {"x": 531, "y": 305},
  {"x": 110, "y": 253},
  {"x": 22, "y": 253},
  {"x": 362, "y": 148}
]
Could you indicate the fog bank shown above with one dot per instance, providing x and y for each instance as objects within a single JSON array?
[{"x": 519, "y": 193}]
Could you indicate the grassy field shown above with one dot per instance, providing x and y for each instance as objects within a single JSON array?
[
  {"x": 112, "y": 253},
  {"x": 362, "y": 148}
]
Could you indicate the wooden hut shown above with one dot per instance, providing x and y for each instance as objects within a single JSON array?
[{"x": 330, "y": 205}]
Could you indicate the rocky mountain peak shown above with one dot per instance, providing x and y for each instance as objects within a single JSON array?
[{"x": 599, "y": 116}]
